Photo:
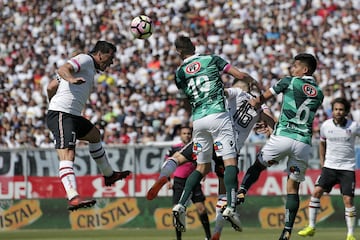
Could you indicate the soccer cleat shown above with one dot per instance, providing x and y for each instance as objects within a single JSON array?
[
  {"x": 307, "y": 231},
  {"x": 215, "y": 236},
  {"x": 154, "y": 190},
  {"x": 179, "y": 217},
  {"x": 285, "y": 235},
  {"x": 350, "y": 237},
  {"x": 115, "y": 177},
  {"x": 240, "y": 198},
  {"x": 233, "y": 217},
  {"x": 76, "y": 203}
]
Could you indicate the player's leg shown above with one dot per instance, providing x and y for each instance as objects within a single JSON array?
[
  {"x": 178, "y": 187},
  {"x": 347, "y": 187},
  {"x": 273, "y": 151},
  {"x": 314, "y": 208},
  {"x": 195, "y": 177},
  {"x": 198, "y": 199},
  {"x": 203, "y": 148},
  {"x": 88, "y": 132},
  {"x": 324, "y": 183},
  {"x": 169, "y": 167},
  {"x": 350, "y": 216},
  {"x": 224, "y": 146},
  {"x": 220, "y": 206},
  {"x": 291, "y": 208},
  {"x": 250, "y": 177},
  {"x": 63, "y": 127},
  {"x": 296, "y": 167}
]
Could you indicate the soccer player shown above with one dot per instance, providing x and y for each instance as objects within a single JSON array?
[
  {"x": 200, "y": 80},
  {"x": 181, "y": 173},
  {"x": 67, "y": 96},
  {"x": 337, "y": 158},
  {"x": 292, "y": 135}
]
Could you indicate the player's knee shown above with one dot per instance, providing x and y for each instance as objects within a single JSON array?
[
  {"x": 261, "y": 164},
  {"x": 200, "y": 208},
  {"x": 93, "y": 136}
]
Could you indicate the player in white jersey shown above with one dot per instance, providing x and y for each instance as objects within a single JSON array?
[
  {"x": 244, "y": 118},
  {"x": 337, "y": 158},
  {"x": 68, "y": 95}
]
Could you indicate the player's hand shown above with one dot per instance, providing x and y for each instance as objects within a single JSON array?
[
  {"x": 255, "y": 102},
  {"x": 260, "y": 127}
]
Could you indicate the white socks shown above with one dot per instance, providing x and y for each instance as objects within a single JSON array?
[
  {"x": 67, "y": 177},
  {"x": 350, "y": 217},
  {"x": 220, "y": 221},
  {"x": 314, "y": 207}
]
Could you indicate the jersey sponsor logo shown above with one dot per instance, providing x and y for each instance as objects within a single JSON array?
[
  {"x": 309, "y": 90},
  {"x": 193, "y": 67}
]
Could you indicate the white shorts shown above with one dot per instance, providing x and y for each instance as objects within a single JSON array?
[
  {"x": 279, "y": 148},
  {"x": 214, "y": 132}
]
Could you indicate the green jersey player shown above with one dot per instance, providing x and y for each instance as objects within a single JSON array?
[
  {"x": 199, "y": 77},
  {"x": 291, "y": 138}
]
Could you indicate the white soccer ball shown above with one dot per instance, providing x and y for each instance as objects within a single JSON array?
[{"x": 141, "y": 27}]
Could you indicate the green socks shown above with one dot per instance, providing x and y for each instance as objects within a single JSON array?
[
  {"x": 231, "y": 184},
  {"x": 194, "y": 178}
]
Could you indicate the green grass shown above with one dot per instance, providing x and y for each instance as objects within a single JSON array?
[{"x": 154, "y": 234}]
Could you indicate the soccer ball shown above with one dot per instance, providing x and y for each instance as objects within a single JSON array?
[{"x": 141, "y": 27}]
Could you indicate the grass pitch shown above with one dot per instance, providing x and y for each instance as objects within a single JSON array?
[{"x": 154, "y": 234}]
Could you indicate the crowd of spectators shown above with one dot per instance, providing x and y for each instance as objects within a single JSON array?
[{"x": 136, "y": 101}]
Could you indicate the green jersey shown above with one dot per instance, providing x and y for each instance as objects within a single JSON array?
[
  {"x": 199, "y": 78},
  {"x": 301, "y": 98}
]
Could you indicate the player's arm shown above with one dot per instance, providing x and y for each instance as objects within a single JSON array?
[
  {"x": 268, "y": 118},
  {"x": 258, "y": 101},
  {"x": 266, "y": 123},
  {"x": 52, "y": 88},
  {"x": 236, "y": 73},
  {"x": 66, "y": 72},
  {"x": 322, "y": 150}
]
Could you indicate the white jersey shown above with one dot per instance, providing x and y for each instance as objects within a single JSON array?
[
  {"x": 244, "y": 116},
  {"x": 340, "y": 141},
  {"x": 71, "y": 98}
]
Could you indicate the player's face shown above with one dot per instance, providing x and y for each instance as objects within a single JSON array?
[
  {"x": 185, "y": 135},
  {"x": 298, "y": 69},
  {"x": 105, "y": 60},
  {"x": 339, "y": 112}
]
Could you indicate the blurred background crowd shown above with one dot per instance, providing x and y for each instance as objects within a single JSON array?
[{"x": 136, "y": 101}]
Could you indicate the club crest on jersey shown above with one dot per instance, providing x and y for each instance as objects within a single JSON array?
[
  {"x": 197, "y": 148},
  {"x": 193, "y": 67},
  {"x": 218, "y": 146},
  {"x": 309, "y": 90}
]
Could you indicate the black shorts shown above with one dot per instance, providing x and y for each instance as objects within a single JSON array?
[
  {"x": 187, "y": 152},
  {"x": 66, "y": 128},
  {"x": 330, "y": 177},
  {"x": 178, "y": 187}
]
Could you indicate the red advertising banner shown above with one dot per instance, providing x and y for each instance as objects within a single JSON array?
[{"x": 270, "y": 183}]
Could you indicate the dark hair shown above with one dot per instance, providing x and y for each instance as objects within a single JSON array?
[
  {"x": 342, "y": 101},
  {"x": 309, "y": 60},
  {"x": 104, "y": 47},
  {"x": 184, "y": 45}
]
